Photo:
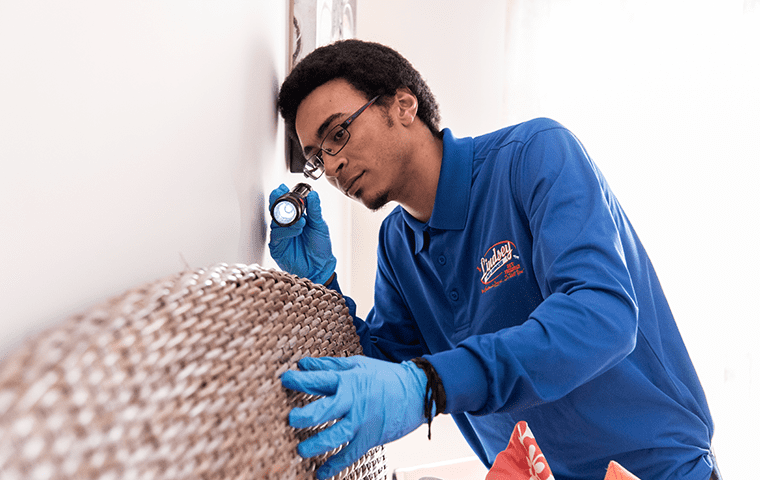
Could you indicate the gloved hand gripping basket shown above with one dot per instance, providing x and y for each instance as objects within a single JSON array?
[{"x": 176, "y": 379}]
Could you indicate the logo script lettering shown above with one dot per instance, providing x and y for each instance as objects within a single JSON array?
[{"x": 492, "y": 263}]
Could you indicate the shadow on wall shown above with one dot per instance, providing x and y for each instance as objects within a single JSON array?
[{"x": 258, "y": 155}]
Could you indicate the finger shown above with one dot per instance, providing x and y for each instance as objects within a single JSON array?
[
  {"x": 313, "y": 207},
  {"x": 327, "y": 440},
  {"x": 313, "y": 383},
  {"x": 323, "y": 410},
  {"x": 326, "y": 363},
  {"x": 340, "y": 461},
  {"x": 279, "y": 233},
  {"x": 277, "y": 193}
]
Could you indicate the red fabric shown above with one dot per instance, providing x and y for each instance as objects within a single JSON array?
[
  {"x": 523, "y": 460},
  {"x": 616, "y": 472}
]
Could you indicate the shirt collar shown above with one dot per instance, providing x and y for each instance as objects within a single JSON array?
[{"x": 452, "y": 196}]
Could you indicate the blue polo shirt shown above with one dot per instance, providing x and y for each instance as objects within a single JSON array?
[{"x": 530, "y": 293}]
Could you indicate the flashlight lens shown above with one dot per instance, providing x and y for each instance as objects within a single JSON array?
[{"x": 284, "y": 212}]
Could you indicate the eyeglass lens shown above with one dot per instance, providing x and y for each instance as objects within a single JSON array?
[
  {"x": 314, "y": 168},
  {"x": 336, "y": 139}
]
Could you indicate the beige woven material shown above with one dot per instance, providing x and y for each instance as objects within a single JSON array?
[{"x": 177, "y": 379}]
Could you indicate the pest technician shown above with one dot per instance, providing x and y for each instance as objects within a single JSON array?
[{"x": 510, "y": 286}]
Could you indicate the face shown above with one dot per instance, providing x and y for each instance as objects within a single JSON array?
[{"x": 370, "y": 166}]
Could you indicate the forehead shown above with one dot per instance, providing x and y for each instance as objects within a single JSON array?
[{"x": 336, "y": 98}]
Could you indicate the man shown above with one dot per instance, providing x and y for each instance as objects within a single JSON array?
[{"x": 510, "y": 286}]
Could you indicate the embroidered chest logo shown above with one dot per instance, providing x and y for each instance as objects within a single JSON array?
[{"x": 499, "y": 264}]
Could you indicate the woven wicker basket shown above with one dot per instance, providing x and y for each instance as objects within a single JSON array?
[{"x": 177, "y": 379}]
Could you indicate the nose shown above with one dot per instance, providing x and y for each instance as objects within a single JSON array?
[{"x": 334, "y": 165}]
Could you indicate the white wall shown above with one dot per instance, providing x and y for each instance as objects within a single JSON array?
[
  {"x": 136, "y": 137},
  {"x": 664, "y": 95}
]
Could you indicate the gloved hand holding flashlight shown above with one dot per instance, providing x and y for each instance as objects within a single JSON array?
[
  {"x": 303, "y": 248},
  {"x": 376, "y": 402}
]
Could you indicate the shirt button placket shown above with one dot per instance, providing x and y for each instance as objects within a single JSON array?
[{"x": 441, "y": 259}]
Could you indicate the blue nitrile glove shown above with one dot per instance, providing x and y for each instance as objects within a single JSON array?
[
  {"x": 303, "y": 248},
  {"x": 377, "y": 402}
]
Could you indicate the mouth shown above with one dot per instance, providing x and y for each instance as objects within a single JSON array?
[{"x": 348, "y": 190}]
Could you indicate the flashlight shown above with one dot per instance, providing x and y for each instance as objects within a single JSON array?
[{"x": 287, "y": 209}]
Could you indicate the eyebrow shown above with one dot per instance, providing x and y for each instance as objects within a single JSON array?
[
  {"x": 321, "y": 131},
  {"x": 323, "y": 128}
]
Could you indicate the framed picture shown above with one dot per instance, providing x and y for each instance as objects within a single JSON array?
[{"x": 314, "y": 23}]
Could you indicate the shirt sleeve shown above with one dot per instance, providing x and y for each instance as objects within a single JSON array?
[
  {"x": 392, "y": 337},
  {"x": 587, "y": 322}
]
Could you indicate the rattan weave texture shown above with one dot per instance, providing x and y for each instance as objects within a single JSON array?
[{"x": 176, "y": 379}]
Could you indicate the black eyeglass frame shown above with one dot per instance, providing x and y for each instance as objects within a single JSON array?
[{"x": 315, "y": 165}]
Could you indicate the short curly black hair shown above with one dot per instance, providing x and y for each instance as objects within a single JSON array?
[{"x": 371, "y": 68}]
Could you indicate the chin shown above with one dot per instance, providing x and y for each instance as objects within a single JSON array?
[{"x": 375, "y": 203}]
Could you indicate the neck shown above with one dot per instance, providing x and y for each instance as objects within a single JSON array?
[{"x": 418, "y": 198}]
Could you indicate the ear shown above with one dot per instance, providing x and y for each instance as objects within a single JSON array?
[{"x": 407, "y": 105}]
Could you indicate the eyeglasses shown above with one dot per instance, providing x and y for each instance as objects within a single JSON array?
[{"x": 332, "y": 144}]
